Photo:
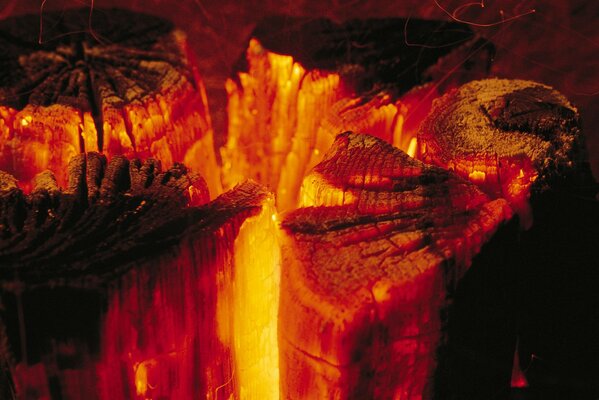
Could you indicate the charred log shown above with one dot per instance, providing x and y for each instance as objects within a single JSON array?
[
  {"x": 370, "y": 266},
  {"x": 303, "y": 81},
  {"x": 128, "y": 284},
  {"x": 513, "y": 138},
  {"x": 368, "y": 54},
  {"x": 117, "y": 82},
  {"x": 522, "y": 141}
]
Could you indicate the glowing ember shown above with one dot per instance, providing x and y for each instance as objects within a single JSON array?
[
  {"x": 130, "y": 284},
  {"x": 273, "y": 117},
  {"x": 362, "y": 282},
  {"x": 518, "y": 379},
  {"x": 508, "y": 136},
  {"x": 304, "y": 81},
  {"x": 130, "y": 87},
  {"x": 141, "y": 294}
]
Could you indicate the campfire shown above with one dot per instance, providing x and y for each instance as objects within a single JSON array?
[{"x": 379, "y": 217}]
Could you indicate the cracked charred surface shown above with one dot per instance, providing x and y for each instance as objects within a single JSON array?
[
  {"x": 117, "y": 82},
  {"x": 115, "y": 287},
  {"x": 368, "y": 265},
  {"x": 514, "y": 138},
  {"x": 302, "y": 81},
  {"x": 112, "y": 212}
]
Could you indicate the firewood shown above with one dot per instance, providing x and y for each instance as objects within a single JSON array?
[
  {"x": 303, "y": 81},
  {"x": 522, "y": 141},
  {"x": 514, "y": 138},
  {"x": 117, "y": 82},
  {"x": 370, "y": 265},
  {"x": 128, "y": 284}
]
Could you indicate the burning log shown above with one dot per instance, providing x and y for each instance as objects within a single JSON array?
[
  {"x": 511, "y": 137},
  {"x": 128, "y": 284},
  {"x": 370, "y": 265},
  {"x": 522, "y": 141},
  {"x": 116, "y": 82},
  {"x": 303, "y": 81}
]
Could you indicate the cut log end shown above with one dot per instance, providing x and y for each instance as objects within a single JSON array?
[
  {"x": 367, "y": 272},
  {"x": 92, "y": 85},
  {"x": 513, "y": 138},
  {"x": 365, "y": 52}
]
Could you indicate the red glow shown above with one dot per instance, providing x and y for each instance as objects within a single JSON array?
[{"x": 518, "y": 378}]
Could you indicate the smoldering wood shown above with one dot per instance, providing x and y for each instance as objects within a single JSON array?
[
  {"x": 83, "y": 269},
  {"x": 372, "y": 265},
  {"x": 394, "y": 54},
  {"x": 302, "y": 81},
  {"x": 112, "y": 81},
  {"x": 525, "y": 130}
]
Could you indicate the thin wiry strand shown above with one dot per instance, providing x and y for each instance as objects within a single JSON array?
[{"x": 455, "y": 14}]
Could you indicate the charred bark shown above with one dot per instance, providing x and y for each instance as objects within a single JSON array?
[
  {"x": 303, "y": 81},
  {"x": 371, "y": 264},
  {"x": 513, "y": 138},
  {"x": 395, "y": 53},
  {"x": 124, "y": 285},
  {"x": 112, "y": 81}
]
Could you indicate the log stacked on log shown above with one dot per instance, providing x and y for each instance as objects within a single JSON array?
[
  {"x": 303, "y": 81},
  {"x": 127, "y": 285},
  {"x": 511, "y": 137},
  {"x": 117, "y": 82},
  {"x": 369, "y": 266}
]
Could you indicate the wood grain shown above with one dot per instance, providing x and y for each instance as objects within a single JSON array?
[
  {"x": 117, "y": 82},
  {"x": 370, "y": 265},
  {"x": 123, "y": 285}
]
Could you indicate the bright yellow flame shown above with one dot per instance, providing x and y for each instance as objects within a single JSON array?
[
  {"x": 257, "y": 264},
  {"x": 477, "y": 176},
  {"x": 275, "y": 110},
  {"x": 247, "y": 308},
  {"x": 141, "y": 376},
  {"x": 26, "y": 120},
  {"x": 412, "y": 147}
]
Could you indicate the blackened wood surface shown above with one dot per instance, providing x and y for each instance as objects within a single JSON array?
[
  {"x": 395, "y": 53},
  {"x": 371, "y": 265},
  {"x": 77, "y": 60},
  {"x": 108, "y": 216},
  {"x": 114, "y": 283}
]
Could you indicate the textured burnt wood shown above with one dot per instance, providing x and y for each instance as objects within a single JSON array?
[
  {"x": 395, "y": 53},
  {"x": 500, "y": 126},
  {"x": 117, "y": 81},
  {"x": 75, "y": 51},
  {"x": 302, "y": 81},
  {"x": 503, "y": 127},
  {"x": 370, "y": 265},
  {"x": 110, "y": 287},
  {"x": 534, "y": 109},
  {"x": 50, "y": 236}
]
